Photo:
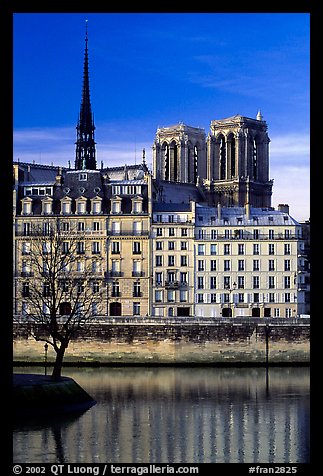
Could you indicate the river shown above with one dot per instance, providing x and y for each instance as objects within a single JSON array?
[{"x": 177, "y": 415}]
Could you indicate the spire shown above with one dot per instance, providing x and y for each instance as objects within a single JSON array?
[{"x": 85, "y": 145}]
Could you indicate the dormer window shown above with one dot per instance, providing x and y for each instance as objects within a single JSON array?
[
  {"x": 137, "y": 205},
  {"x": 81, "y": 205},
  {"x": 66, "y": 206},
  {"x": 47, "y": 206},
  {"x": 116, "y": 205},
  {"x": 27, "y": 206},
  {"x": 96, "y": 205},
  {"x": 82, "y": 176}
]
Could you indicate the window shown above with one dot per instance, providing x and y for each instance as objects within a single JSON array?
[
  {"x": 200, "y": 265},
  {"x": 271, "y": 282},
  {"x": 95, "y": 287},
  {"x": 256, "y": 249},
  {"x": 226, "y": 250},
  {"x": 171, "y": 218},
  {"x": 80, "y": 247},
  {"x": 115, "y": 289},
  {"x": 256, "y": 282},
  {"x": 183, "y": 260},
  {"x": 171, "y": 295},
  {"x": 200, "y": 297},
  {"x": 26, "y": 248},
  {"x": 287, "y": 233},
  {"x": 159, "y": 278},
  {"x": 158, "y": 296},
  {"x": 96, "y": 206},
  {"x": 271, "y": 234},
  {"x": 226, "y": 282},
  {"x": 80, "y": 226},
  {"x": 240, "y": 297},
  {"x": 213, "y": 297},
  {"x": 200, "y": 282},
  {"x": 287, "y": 265},
  {"x": 80, "y": 266},
  {"x": 255, "y": 297},
  {"x": 82, "y": 177},
  {"x": 159, "y": 260},
  {"x": 214, "y": 234},
  {"x": 241, "y": 265},
  {"x": 240, "y": 282},
  {"x": 271, "y": 265},
  {"x": 213, "y": 264},
  {"x": 286, "y": 282},
  {"x": 115, "y": 206},
  {"x": 288, "y": 312},
  {"x": 96, "y": 226},
  {"x": 287, "y": 249},
  {"x": 183, "y": 277},
  {"x": 171, "y": 260},
  {"x": 171, "y": 231},
  {"x": 171, "y": 276},
  {"x": 183, "y": 245},
  {"x": 271, "y": 249},
  {"x": 256, "y": 265},
  {"x": 287, "y": 297},
  {"x": 26, "y": 229},
  {"x": 46, "y": 228},
  {"x": 81, "y": 206},
  {"x": 184, "y": 232},
  {"x": 183, "y": 295},
  {"x": 159, "y": 232},
  {"x": 115, "y": 247},
  {"x": 226, "y": 265},
  {"x": 95, "y": 247},
  {"x": 65, "y": 226},
  {"x": 200, "y": 249},
  {"x": 136, "y": 289},
  {"x": 25, "y": 290},
  {"x": 255, "y": 234},
  {"x": 159, "y": 245},
  {"x": 136, "y": 206},
  {"x": 240, "y": 249},
  {"x": 136, "y": 308},
  {"x": 271, "y": 297},
  {"x": 171, "y": 245},
  {"x": 276, "y": 312},
  {"x": 213, "y": 282},
  {"x": 65, "y": 247},
  {"x": 136, "y": 248},
  {"x": 213, "y": 249},
  {"x": 80, "y": 288}
]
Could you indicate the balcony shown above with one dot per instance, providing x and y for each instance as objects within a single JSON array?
[
  {"x": 138, "y": 274},
  {"x": 171, "y": 284},
  {"x": 113, "y": 274}
]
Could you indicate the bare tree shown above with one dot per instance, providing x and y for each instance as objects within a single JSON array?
[{"x": 62, "y": 289}]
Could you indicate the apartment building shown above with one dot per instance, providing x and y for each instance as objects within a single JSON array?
[
  {"x": 172, "y": 236},
  {"x": 248, "y": 262}
]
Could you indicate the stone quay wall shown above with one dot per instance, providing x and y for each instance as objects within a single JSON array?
[{"x": 126, "y": 343}]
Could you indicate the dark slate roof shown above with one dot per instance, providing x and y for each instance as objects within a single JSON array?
[
  {"x": 171, "y": 207},
  {"x": 171, "y": 192}
]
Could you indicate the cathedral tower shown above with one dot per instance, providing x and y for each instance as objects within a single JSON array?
[
  {"x": 85, "y": 145},
  {"x": 179, "y": 154},
  {"x": 238, "y": 162}
]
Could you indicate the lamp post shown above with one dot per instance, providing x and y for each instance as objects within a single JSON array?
[
  {"x": 230, "y": 289},
  {"x": 45, "y": 361}
]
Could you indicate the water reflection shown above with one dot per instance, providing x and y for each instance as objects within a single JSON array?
[{"x": 179, "y": 415}]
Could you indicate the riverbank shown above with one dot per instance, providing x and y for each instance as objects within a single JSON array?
[
  {"x": 41, "y": 395},
  {"x": 147, "y": 344}
]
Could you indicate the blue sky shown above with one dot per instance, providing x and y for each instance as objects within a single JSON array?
[{"x": 157, "y": 69}]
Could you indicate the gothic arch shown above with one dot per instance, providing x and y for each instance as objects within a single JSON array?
[
  {"x": 231, "y": 154},
  {"x": 221, "y": 140}
]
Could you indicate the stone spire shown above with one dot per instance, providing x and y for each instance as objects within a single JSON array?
[{"x": 85, "y": 144}]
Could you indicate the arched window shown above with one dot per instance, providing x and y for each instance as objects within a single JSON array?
[
  {"x": 255, "y": 158},
  {"x": 195, "y": 161},
  {"x": 222, "y": 157},
  {"x": 233, "y": 156},
  {"x": 166, "y": 161}
]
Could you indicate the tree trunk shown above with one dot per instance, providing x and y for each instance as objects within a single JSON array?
[{"x": 57, "y": 370}]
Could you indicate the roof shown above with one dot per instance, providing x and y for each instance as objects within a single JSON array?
[
  {"x": 236, "y": 216},
  {"x": 171, "y": 207}
]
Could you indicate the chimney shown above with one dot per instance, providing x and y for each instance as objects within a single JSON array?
[
  {"x": 59, "y": 176},
  {"x": 283, "y": 207},
  {"x": 219, "y": 211},
  {"x": 247, "y": 208}
]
